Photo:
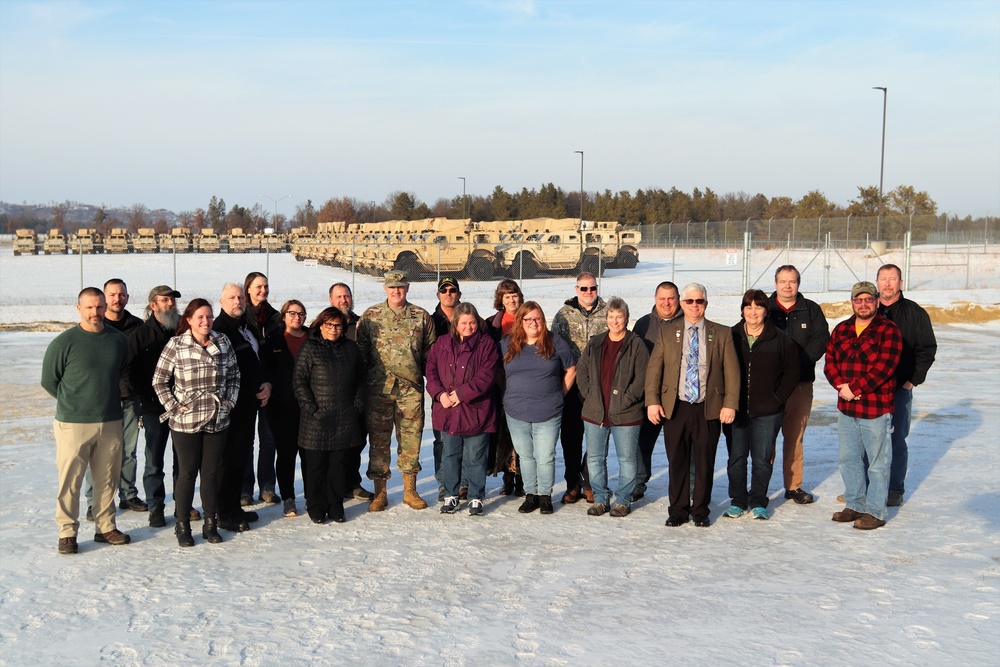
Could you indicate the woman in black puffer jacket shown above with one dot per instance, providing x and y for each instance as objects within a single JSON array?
[{"x": 327, "y": 383}]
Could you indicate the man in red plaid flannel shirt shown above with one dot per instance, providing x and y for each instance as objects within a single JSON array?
[{"x": 861, "y": 360}]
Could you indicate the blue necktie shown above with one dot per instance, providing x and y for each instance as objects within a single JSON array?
[{"x": 692, "y": 386}]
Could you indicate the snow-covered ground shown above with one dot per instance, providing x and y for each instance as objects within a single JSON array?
[{"x": 421, "y": 588}]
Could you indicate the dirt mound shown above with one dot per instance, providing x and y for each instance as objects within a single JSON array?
[
  {"x": 36, "y": 326},
  {"x": 959, "y": 311}
]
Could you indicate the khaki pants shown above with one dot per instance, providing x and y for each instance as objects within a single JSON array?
[
  {"x": 78, "y": 446},
  {"x": 798, "y": 407}
]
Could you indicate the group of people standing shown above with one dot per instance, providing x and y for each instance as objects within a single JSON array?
[{"x": 504, "y": 391}]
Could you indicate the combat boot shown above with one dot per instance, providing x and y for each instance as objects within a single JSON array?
[
  {"x": 379, "y": 502},
  {"x": 410, "y": 495}
]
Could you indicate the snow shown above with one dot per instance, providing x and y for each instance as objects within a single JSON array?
[{"x": 421, "y": 588}]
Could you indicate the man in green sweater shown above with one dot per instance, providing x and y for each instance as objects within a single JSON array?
[{"x": 81, "y": 370}]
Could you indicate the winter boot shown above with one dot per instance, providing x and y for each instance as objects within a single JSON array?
[
  {"x": 410, "y": 495},
  {"x": 210, "y": 530},
  {"x": 379, "y": 502},
  {"x": 183, "y": 532}
]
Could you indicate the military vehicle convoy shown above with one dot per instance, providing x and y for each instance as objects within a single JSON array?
[
  {"x": 25, "y": 242},
  {"x": 475, "y": 250}
]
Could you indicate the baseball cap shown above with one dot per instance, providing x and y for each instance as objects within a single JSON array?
[
  {"x": 163, "y": 290},
  {"x": 396, "y": 279},
  {"x": 445, "y": 282},
  {"x": 864, "y": 287}
]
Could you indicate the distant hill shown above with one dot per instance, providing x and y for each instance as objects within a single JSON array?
[{"x": 75, "y": 215}]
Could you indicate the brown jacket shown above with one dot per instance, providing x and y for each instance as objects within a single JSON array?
[{"x": 663, "y": 377}]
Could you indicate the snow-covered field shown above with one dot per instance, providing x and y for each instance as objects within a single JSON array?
[{"x": 421, "y": 588}]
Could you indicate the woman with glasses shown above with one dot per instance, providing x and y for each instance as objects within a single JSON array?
[
  {"x": 281, "y": 349},
  {"x": 539, "y": 369},
  {"x": 506, "y": 300},
  {"x": 769, "y": 371},
  {"x": 461, "y": 375},
  {"x": 328, "y": 383}
]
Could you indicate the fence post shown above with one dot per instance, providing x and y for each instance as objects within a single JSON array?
[
  {"x": 353, "y": 274},
  {"x": 847, "y": 241},
  {"x": 746, "y": 261},
  {"x": 173, "y": 247},
  {"x": 968, "y": 260},
  {"x": 81, "y": 265},
  {"x": 826, "y": 266},
  {"x": 907, "y": 249},
  {"x": 673, "y": 263}
]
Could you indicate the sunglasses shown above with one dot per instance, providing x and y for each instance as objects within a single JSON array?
[
  {"x": 448, "y": 290},
  {"x": 700, "y": 302},
  {"x": 587, "y": 288},
  {"x": 866, "y": 299}
]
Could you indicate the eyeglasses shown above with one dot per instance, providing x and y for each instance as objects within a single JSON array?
[
  {"x": 700, "y": 302},
  {"x": 448, "y": 290},
  {"x": 532, "y": 320},
  {"x": 296, "y": 313},
  {"x": 587, "y": 288},
  {"x": 332, "y": 325},
  {"x": 866, "y": 299}
]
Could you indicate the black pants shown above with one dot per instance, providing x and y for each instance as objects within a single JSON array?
[
  {"x": 691, "y": 437},
  {"x": 571, "y": 437},
  {"x": 285, "y": 429},
  {"x": 649, "y": 433},
  {"x": 198, "y": 452},
  {"x": 239, "y": 443},
  {"x": 326, "y": 482}
]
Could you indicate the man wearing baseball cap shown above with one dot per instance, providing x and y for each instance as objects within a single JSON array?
[{"x": 861, "y": 360}]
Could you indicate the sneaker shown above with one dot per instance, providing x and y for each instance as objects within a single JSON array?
[
  {"x": 156, "y": 519},
  {"x": 289, "y": 508},
  {"x": 545, "y": 504},
  {"x": 133, "y": 504},
  {"x": 597, "y": 509},
  {"x": 90, "y": 513},
  {"x": 361, "y": 493},
  {"x": 114, "y": 537},
  {"x": 800, "y": 497},
  {"x": 67, "y": 545},
  {"x": 845, "y": 515},
  {"x": 529, "y": 505},
  {"x": 246, "y": 500},
  {"x": 450, "y": 505},
  {"x": 476, "y": 507},
  {"x": 619, "y": 510},
  {"x": 734, "y": 512},
  {"x": 895, "y": 499},
  {"x": 269, "y": 497},
  {"x": 760, "y": 513},
  {"x": 868, "y": 522}
]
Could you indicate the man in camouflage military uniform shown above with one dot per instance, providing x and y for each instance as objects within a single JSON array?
[
  {"x": 583, "y": 316},
  {"x": 395, "y": 338}
]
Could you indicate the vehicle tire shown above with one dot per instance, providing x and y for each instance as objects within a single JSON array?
[
  {"x": 524, "y": 266},
  {"x": 590, "y": 264},
  {"x": 409, "y": 266},
  {"x": 480, "y": 268},
  {"x": 627, "y": 259}
]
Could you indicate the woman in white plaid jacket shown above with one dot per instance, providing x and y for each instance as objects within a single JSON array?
[{"x": 197, "y": 381}]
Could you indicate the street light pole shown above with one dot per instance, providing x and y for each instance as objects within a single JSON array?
[
  {"x": 465, "y": 212},
  {"x": 581, "y": 185},
  {"x": 881, "y": 171},
  {"x": 274, "y": 221}
]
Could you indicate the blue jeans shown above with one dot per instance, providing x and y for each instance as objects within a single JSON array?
[
  {"x": 627, "y": 448},
  {"x": 266, "y": 452},
  {"x": 900, "y": 431},
  {"x": 438, "y": 457},
  {"x": 753, "y": 437},
  {"x": 860, "y": 438},
  {"x": 156, "y": 446},
  {"x": 130, "y": 440},
  {"x": 535, "y": 443},
  {"x": 464, "y": 460}
]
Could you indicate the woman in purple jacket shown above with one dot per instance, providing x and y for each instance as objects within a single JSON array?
[{"x": 461, "y": 372}]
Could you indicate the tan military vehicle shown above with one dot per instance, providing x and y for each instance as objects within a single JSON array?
[
  {"x": 55, "y": 242},
  {"x": 85, "y": 242},
  {"x": 25, "y": 242},
  {"x": 145, "y": 241},
  {"x": 207, "y": 241},
  {"x": 178, "y": 240},
  {"x": 238, "y": 241},
  {"x": 117, "y": 242}
]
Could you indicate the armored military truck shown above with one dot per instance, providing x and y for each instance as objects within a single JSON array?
[{"x": 25, "y": 242}]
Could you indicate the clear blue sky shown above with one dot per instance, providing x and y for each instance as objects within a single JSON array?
[{"x": 169, "y": 103}]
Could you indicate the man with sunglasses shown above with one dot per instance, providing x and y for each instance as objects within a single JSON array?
[
  {"x": 449, "y": 295},
  {"x": 583, "y": 316},
  {"x": 861, "y": 360},
  {"x": 692, "y": 387}
]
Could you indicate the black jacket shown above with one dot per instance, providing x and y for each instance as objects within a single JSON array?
[
  {"x": 281, "y": 369},
  {"x": 145, "y": 343},
  {"x": 919, "y": 343},
  {"x": 253, "y": 371},
  {"x": 769, "y": 370},
  {"x": 329, "y": 385},
  {"x": 806, "y": 324},
  {"x": 127, "y": 323},
  {"x": 648, "y": 326},
  {"x": 263, "y": 320}
]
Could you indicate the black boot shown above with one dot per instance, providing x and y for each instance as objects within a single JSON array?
[
  {"x": 210, "y": 530},
  {"x": 518, "y": 485},
  {"x": 508, "y": 484},
  {"x": 529, "y": 505},
  {"x": 183, "y": 532},
  {"x": 545, "y": 504}
]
